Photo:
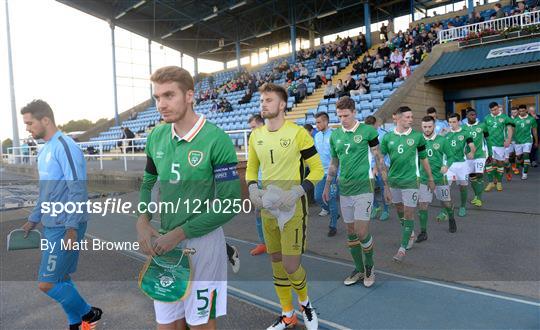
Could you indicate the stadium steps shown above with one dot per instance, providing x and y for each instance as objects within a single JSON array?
[
  {"x": 312, "y": 101},
  {"x": 416, "y": 93}
]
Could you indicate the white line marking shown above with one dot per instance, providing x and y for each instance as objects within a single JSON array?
[
  {"x": 457, "y": 288},
  {"x": 142, "y": 257}
]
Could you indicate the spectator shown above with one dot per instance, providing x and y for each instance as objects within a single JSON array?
[
  {"x": 329, "y": 90},
  {"x": 404, "y": 70},
  {"x": 396, "y": 56},
  {"x": 367, "y": 64},
  {"x": 392, "y": 73},
  {"x": 364, "y": 84},
  {"x": 340, "y": 89},
  {"x": 386, "y": 62},
  {"x": 378, "y": 63},
  {"x": 499, "y": 13},
  {"x": 383, "y": 33},
  {"x": 226, "y": 106},
  {"x": 304, "y": 73},
  {"x": 357, "y": 67},
  {"x": 215, "y": 106},
  {"x": 246, "y": 98},
  {"x": 127, "y": 134},
  {"x": 409, "y": 56},
  {"x": 301, "y": 90},
  {"x": 350, "y": 84},
  {"x": 521, "y": 8}
]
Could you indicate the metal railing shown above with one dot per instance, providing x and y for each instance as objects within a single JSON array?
[
  {"x": 500, "y": 24},
  {"x": 28, "y": 154}
]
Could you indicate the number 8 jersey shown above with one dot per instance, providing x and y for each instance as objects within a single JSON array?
[{"x": 404, "y": 150}]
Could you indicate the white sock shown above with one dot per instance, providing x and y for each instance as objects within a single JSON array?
[
  {"x": 288, "y": 314},
  {"x": 305, "y": 302}
]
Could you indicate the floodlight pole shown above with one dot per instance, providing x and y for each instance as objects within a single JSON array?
[
  {"x": 16, "y": 143},
  {"x": 412, "y": 10},
  {"x": 115, "y": 91},
  {"x": 367, "y": 23},
  {"x": 150, "y": 64}
]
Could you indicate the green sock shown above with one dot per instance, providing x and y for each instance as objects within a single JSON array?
[
  {"x": 526, "y": 163},
  {"x": 423, "y": 216},
  {"x": 367, "y": 247},
  {"x": 500, "y": 172},
  {"x": 479, "y": 186},
  {"x": 356, "y": 252},
  {"x": 489, "y": 172},
  {"x": 400, "y": 215},
  {"x": 474, "y": 186},
  {"x": 406, "y": 230},
  {"x": 507, "y": 168},
  {"x": 450, "y": 211},
  {"x": 463, "y": 195}
]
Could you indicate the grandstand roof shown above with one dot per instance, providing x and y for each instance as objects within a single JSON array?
[
  {"x": 197, "y": 32},
  {"x": 471, "y": 61}
]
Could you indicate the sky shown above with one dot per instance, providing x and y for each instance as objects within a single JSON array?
[{"x": 64, "y": 56}]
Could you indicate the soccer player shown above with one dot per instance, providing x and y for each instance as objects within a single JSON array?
[
  {"x": 461, "y": 148},
  {"x": 62, "y": 179},
  {"x": 405, "y": 147},
  {"x": 378, "y": 195},
  {"x": 282, "y": 150},
  {"x": 510, "y": 161},
  {"x": 254, "y": 122},
  {"x": 480, "y": 136},
  {"x": 441, "y": 126},
  {"x": 350, "y": 148},
  {"x": 501, "y": 129},
  {"x": 436, "y": 150},
  {"x": 525, "y": 124},
  {"x": 322, "y": 143},
  {"x": 196, "y": 162}
]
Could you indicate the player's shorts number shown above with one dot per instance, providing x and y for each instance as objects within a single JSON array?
[
  {"x": 415, "y": 196},
  {"x": 445, "y": 192},
  {"x": 174, "y": 170},
  {"x": 430, "y": 152},
  {"x": 368, "y": 208},
  {"x": 203, "y": 298},
  {"x": 51, "y": 263},
  {"x": 400, "y": 149}
]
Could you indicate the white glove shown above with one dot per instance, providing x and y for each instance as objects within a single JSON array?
[
  {"x": 255, "y": 195},
  {"x": 289, "y": 198}
]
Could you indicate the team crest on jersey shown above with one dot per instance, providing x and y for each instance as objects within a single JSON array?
[
  {"x": 501, "y": 120},
  {"x": 478, "y": 130},
  {"x": 391, "y": 143},
  {"x": 285, "y": 142},
  {"x": 436, "y": 146},
  {"x": 461, "y": 137},
  {"x": 159, "y": 154},
  {"x": 195, "y": 157},
  {"x": 259, "y": 142},
  {"x": 410, "y": 142},
  {"x": 357, "y": 138},
  {"x": 528, "y": 121},
  {"x": 165, "y": 281}
]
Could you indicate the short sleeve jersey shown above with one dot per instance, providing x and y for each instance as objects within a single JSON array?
[
  {"x": 496, "y": 126},
  {"x": 457, "y": 144},
  {"x": 281, "y": 154},
  {"x": 352, "y": 148},
  {"x": 436, "y": 149},
  {"x": 479, "y": 134},
  {"x": 188, "y": 169},
  {"x": 524, "y": 126},
  {"x": 405, "y": 150}
]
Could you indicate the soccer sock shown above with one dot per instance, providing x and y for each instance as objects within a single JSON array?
[
  {"x": 400, "y": 215},
  {"x": 489, "y": 172},
  {"x": 463, "y": 195},
  {"x": 479, "y": 185},
  {"x": 356, "y": 252},
  {"x": 406, "y": 230},
  {"x": 423, "y": 216},
  {"x": 526, "y": 163},
  {"x": 507, "y": 167},
  {"x": 474, "y": 185},
  {"x": 259, "y": 228},
  {"x": 230, "y": 250},
  {"x": 450, "y": 211},
  {"x": 71, "y": 301},
  {"x": 282, "y": 286},
  {"x": 367, "y": 247},
  {"x": 298, "y": 281},
  {"x": 500, "y": 172}
]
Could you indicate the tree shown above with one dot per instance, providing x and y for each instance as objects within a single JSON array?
[
  {"x": 76, "y": 125},
  {"x": 7, "y": 143},
  {"x": 101, "y": 121}
]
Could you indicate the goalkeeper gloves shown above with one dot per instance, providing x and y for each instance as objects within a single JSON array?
[
  {"x": 255, "y": 195},
  {"x": 290, "y": 197}
]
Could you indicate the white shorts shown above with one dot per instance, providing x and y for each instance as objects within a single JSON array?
[
  {"x": 357, "y": 207},
  {"x": 511, "y": 148},
  {"x": 499, "y": 153},
  {"x": 477, "y": 165},
  {"x": 208, "y": 295},
  {"x": 458, "y": 172},
  {"x": 442, "y": 193},
  {"x": 523, "y": 148},
  {"x": 409, "y": 197}
]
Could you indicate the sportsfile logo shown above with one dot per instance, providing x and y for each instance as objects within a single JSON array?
[{"x": 514, "y": 50}]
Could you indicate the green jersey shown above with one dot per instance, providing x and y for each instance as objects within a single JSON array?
[
  {"x": 436, "y": 149},
  {"x": 496, "y": 126},
  {"x": 198, "y": 177},
  {"x": 524, "y": 126},
  {"x": 351, "y": 147},
  {"x": 404, "y": 150},
  {"x": 458, "y": 145},
  {"x": 480, "y": 135}
]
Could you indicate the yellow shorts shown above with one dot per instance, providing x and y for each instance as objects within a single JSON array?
[{"x": 292, "y": 240}]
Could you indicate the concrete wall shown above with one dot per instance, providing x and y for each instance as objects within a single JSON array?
[{"x": 417, "y": 94}]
